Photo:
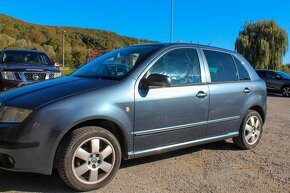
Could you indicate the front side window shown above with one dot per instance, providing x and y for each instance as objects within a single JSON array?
[
  {"x": 284, "y": 75},
  {"x": 181, "y": 65},
  {"x": 270, "y": 75},
  {"x": 243, "y": 73},
  {"x": 221, "y": 66},
  {"x": 116, "y": 64}
]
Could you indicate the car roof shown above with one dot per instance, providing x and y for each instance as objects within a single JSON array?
[
  {"x": 21, "y": 50},
  {"x": 187, "y": 44}
]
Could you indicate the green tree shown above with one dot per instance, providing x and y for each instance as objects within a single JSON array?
[{"x": 263, "y": 44}]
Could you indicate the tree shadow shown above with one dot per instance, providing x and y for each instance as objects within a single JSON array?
[{"x": 28, "y": 182}]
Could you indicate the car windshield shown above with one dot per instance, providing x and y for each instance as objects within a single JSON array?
[
  {"x": 284, "y": 75},
  {"x": 116, "y": 64},
  {"x": 25, "y": 57}
]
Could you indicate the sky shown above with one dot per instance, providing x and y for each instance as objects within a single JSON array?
[{"x": 214, "y": 22}]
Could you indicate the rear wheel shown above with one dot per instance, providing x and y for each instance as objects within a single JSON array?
[
  {"x": 250, "y": 132},
  {"x": 89, "y": 159},
  {"x": 286, "y": 91}
]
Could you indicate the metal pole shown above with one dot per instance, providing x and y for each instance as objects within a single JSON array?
[
  {"x": 63, "y": 49},
  {"x": 171, "y": 21}
]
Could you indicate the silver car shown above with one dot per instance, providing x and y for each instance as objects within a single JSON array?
[{"x": 132, "y": 102}]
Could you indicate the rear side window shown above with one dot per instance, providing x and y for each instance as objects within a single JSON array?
[
  {"x": 243, "y": 73},
  {"x": 221, "y": 66},
  {"x": 261, "y": 74}
]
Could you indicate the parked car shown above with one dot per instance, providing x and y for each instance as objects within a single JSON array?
[
  {"x": 170, "y": 96},
  {"x": 276, "y": 81},
  {"x": 20, "y": 67}
]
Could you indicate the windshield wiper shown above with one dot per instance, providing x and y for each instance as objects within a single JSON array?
[{"x": 9, "y": 63}]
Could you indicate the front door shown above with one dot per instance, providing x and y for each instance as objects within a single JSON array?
[
  {"x": 273, "y": 81},
  {"x": 172, "y": 115}
]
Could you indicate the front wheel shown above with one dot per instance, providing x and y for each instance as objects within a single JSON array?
[
  {"x": 250, "y": 132},
  {"x": 89, "y": 158},
  {"x": 286, "y": 91}
]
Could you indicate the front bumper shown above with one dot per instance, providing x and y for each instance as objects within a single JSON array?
[
  {"x": 27, "y": 147},
  {"x": 24, "y": 78}
]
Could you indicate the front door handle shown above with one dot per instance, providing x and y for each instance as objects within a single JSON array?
[
  {"x": 201, "y": 94},
  {"x": 247, "y": 90}
]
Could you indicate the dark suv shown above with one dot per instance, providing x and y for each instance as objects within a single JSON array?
[
  {"x": 132, "y": 102},
  {"x": 276, "y": 81},
  {"x": 20, "y": 67}
]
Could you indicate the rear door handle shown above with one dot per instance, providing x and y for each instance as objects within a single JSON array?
[
  {"x": 201, "y": 94},
  {"x": 247, "y": 90}
]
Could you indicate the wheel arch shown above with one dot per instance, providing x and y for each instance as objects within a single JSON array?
[
  {"x": 260, "y": 110},
  {"x": 283, "y": 86},
  {"x": 110, "y": 125}
]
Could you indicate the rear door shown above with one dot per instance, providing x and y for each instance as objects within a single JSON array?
[{"x": 228, "y": 92}]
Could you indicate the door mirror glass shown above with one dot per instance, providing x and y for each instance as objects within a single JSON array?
[
  {"x": 159, "y": 80},
  {"x": 278, "y": 77}
]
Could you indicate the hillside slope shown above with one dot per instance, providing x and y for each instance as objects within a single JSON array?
[{"x": 19, "y": 34}]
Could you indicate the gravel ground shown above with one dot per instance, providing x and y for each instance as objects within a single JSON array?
[{"x": 215, "y": 167}]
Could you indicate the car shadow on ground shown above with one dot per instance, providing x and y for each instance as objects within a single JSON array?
[
  {"x": 275, "y": 95},
  {"x": 27, "y": 182},
  {"x": 220, "y": 145}
]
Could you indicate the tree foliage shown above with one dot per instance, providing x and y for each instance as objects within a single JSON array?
[
  {"x": 15, "y": 33},
  {"x": 263, "y": 44}
]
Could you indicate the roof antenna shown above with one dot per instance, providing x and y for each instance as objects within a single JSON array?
[{"x": 209, "y": 42}]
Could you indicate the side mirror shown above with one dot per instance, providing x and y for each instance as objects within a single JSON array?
[
  {"x": 158, "y": 80},
  {"x": 278, "y": 77}
]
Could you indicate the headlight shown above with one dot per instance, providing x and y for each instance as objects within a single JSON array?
[
  {"x": 8, "y": 75},
  {"x": 57, "y": 75},
  {"x": 13, "y": 115}
]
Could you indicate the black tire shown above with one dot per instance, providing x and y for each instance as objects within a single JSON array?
[
  {"x": 285, "y": 91},
  {"x": 80, "y": 139},
  {"x": 242, "y": 141}
]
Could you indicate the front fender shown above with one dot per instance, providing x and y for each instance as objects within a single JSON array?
[{"x": 63, "y": 115}]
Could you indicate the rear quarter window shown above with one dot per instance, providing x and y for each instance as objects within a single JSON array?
[{"x": 243, "y": 73}]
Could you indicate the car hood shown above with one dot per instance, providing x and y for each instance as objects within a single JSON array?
[
  {"x": 28, "y": 68},
  {"x": 35, "y": 95}
]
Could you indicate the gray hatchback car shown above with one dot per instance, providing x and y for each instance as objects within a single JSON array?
[{"x": 132, "y": 102}]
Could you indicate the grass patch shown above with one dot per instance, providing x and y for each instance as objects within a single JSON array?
[{"x": 66, "y": 72}]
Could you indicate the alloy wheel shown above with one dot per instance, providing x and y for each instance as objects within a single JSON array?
[
  {"x": 93, "y": 160},
  {"x": 252, "y": 130},
  {"x": 286, "y": 91}
]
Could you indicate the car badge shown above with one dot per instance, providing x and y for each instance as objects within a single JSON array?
[{"x": 35, "y": 77}]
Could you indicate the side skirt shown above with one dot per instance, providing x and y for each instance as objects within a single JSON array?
[{"x": 173, "y": 147}]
